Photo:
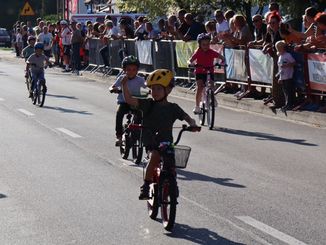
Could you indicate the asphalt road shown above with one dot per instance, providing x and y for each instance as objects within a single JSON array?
[{"x": 252, "y": 180}]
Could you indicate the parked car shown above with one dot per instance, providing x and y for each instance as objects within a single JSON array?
[{"x": 4, "y": 38}]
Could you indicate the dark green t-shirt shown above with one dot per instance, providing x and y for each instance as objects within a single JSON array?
[{"x": 159, "y": 118}]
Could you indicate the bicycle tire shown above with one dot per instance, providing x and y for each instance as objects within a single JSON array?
[
  {"x": 168, "y": 201},
  {"x": 210, "y": 109},
  {"x": 152, "y": 203},
  {"x": 34, "y": 97},
  {"x": 125, "y": 146},
  {"x": 42, "y": 94},
  {"x": 137, "y": 149},
  {"x": 202, "y": 113}
]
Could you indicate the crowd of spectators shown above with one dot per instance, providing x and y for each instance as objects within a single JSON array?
[{"x": 69, "y": 43}]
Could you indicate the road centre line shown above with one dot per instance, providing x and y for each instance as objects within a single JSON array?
[
  {"x": 69, "y": 133},
  {"x": 270, "y": 230},
  {"x": 27, "y": 113}
]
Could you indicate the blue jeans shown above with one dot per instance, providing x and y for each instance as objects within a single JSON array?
[{"x": 36, "y": 77}]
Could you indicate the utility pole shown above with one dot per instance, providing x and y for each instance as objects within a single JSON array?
[{"x": 42, "y": 9}]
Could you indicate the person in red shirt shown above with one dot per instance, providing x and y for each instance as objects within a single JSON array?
[{"x": 204, "y": 57}]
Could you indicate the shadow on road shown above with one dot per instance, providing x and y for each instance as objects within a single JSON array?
[
  {"x": 263, "y": 136},
  {"x": 62, "y": 96},
  {"x": 65, "y": 110},
  {"x": 199, "y": 235},
  {"x": 186, "y": 175},
  {"x": 2, "y": 196}
]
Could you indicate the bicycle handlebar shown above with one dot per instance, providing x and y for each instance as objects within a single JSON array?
[
  {"x": 207, "y": 67},
  {"x": 115, "y": 91},
  {"x": 184, "y": 128}
]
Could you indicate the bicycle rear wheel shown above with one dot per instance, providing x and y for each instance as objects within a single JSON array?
[
  {"x": 210, "y": 109},
  {"x": 152, "y": 203},
  {"x": 168, "y": 201},
  {"x": 202, "y": 113}
]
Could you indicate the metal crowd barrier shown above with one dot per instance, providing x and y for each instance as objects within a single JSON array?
[{"x": 248, "y": 67}]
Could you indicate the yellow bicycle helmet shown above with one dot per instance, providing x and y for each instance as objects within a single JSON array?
[{"x": 162, "y": 77}]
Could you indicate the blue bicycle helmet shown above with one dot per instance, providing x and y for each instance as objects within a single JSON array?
[
  {"x": 203, "y": 36},
  {"x": 39, "y": 46},
  {"x": 130, "y": 60}
]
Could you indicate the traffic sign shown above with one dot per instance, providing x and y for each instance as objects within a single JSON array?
[{"x": 27, "y": 10}]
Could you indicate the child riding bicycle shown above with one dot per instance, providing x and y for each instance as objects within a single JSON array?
[
  {"x": 159, "y": 116},
  {"x": 36, "y": 64},
  {"x": 130, "y": 65},
  {"x": 204, "y": 57}
]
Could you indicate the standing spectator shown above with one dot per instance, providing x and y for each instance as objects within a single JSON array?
[
  {"x": 172, "y": 26},
  {"x": 210, "y": 27},
  {"x": 30, "y": 28},
  {"x": 136, "y": 24},
  {"x": 66, "y": 42},
  {"x": 76, "y": 41},
  {"x": 126, "y": 30},
  {"x": 222, "y": 24},
  {"x": 259, "y": 31},
  {"x": 151, "y": 33},
  {"x": 111, "y": 30},
  {"x": 228, "y": 15},
  {"x": 285, "y": 74},
  {"x": 55, "y": 43},
  {"x": 46, "y": 38},
  {"x": 272, "y": 7},
  {"x": 19, "y": 42},
  {"x": 195, "y": 28},
  {"x": 242, "y": 34},
  {"x": 25, "y": 36},
  {"x": 39, "y": 28},
  {"x": 89, "y": 35},
  {"x": 162, "y": 28},
  {"x": 183, "y": 26},
  {"x": 273, "y": 35},
  {"x": 141, "y": 30}
]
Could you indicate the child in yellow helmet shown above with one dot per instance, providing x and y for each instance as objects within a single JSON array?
[{"x": 159, "y": 116}]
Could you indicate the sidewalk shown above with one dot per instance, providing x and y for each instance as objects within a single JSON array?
[{"x": 225, "y": 100}]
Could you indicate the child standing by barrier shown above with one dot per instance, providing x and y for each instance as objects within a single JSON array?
[
  {"x": 130, "y": 67},
  {"x": 204, "y": 57},
  {"x": 286, "y": 65}
]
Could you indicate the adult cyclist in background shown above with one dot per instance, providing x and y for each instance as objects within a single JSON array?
[
  {"x": 36, "y": 63},
  {"x": 204, "y": 57}
]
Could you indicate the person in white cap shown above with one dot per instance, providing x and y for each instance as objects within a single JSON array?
[{"x": 66, "y": 34}]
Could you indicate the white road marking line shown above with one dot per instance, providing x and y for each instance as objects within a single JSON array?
[
  {"x": 2, "y": 99},
  {"x": 27, "y": 113},
  {"x": 68, "y": 132},
  {"x": 270, "y": 230}
]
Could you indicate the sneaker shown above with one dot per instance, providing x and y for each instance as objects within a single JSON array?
[
  {"x": 30, "y": 95},
  {"x": 144, "y": 192},
  {"x": 196, "y": 110}
]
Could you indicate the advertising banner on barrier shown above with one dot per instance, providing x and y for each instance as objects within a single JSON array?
[
  {"x": 236, "y": 66},
  {"x": 184, "y": 51},
  {"x": 261, "y": 66},
  {"x": 144, "y": 51},
  {"x": 317, "y": 71}
]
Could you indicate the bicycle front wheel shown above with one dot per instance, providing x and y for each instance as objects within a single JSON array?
[
  {"x": 168, "y": 196},
  {"x": 202, "y": 114},
  {"x": 42, "y": 94},
  {"x": 137, "y": 148},
  {"x": 152, "y": 203},
  {"x": 210, "y": 109}
]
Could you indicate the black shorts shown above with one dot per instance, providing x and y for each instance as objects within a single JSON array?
[
  {"x": 66, "y": 50},
  {"x": 203, "y": 77}
]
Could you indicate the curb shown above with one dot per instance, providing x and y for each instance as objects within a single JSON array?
[{"x": 315, "y": 119}]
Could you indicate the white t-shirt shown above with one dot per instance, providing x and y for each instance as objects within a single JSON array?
[
  {"x": 223, "y": 27},
  {"x": 19, "y": 38},
  {"x": 46, "y": 39},
  {"x": 66, "y": 36},
  {"x": 285, "y": 72},
  {"x": 114, "y": 31}
]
